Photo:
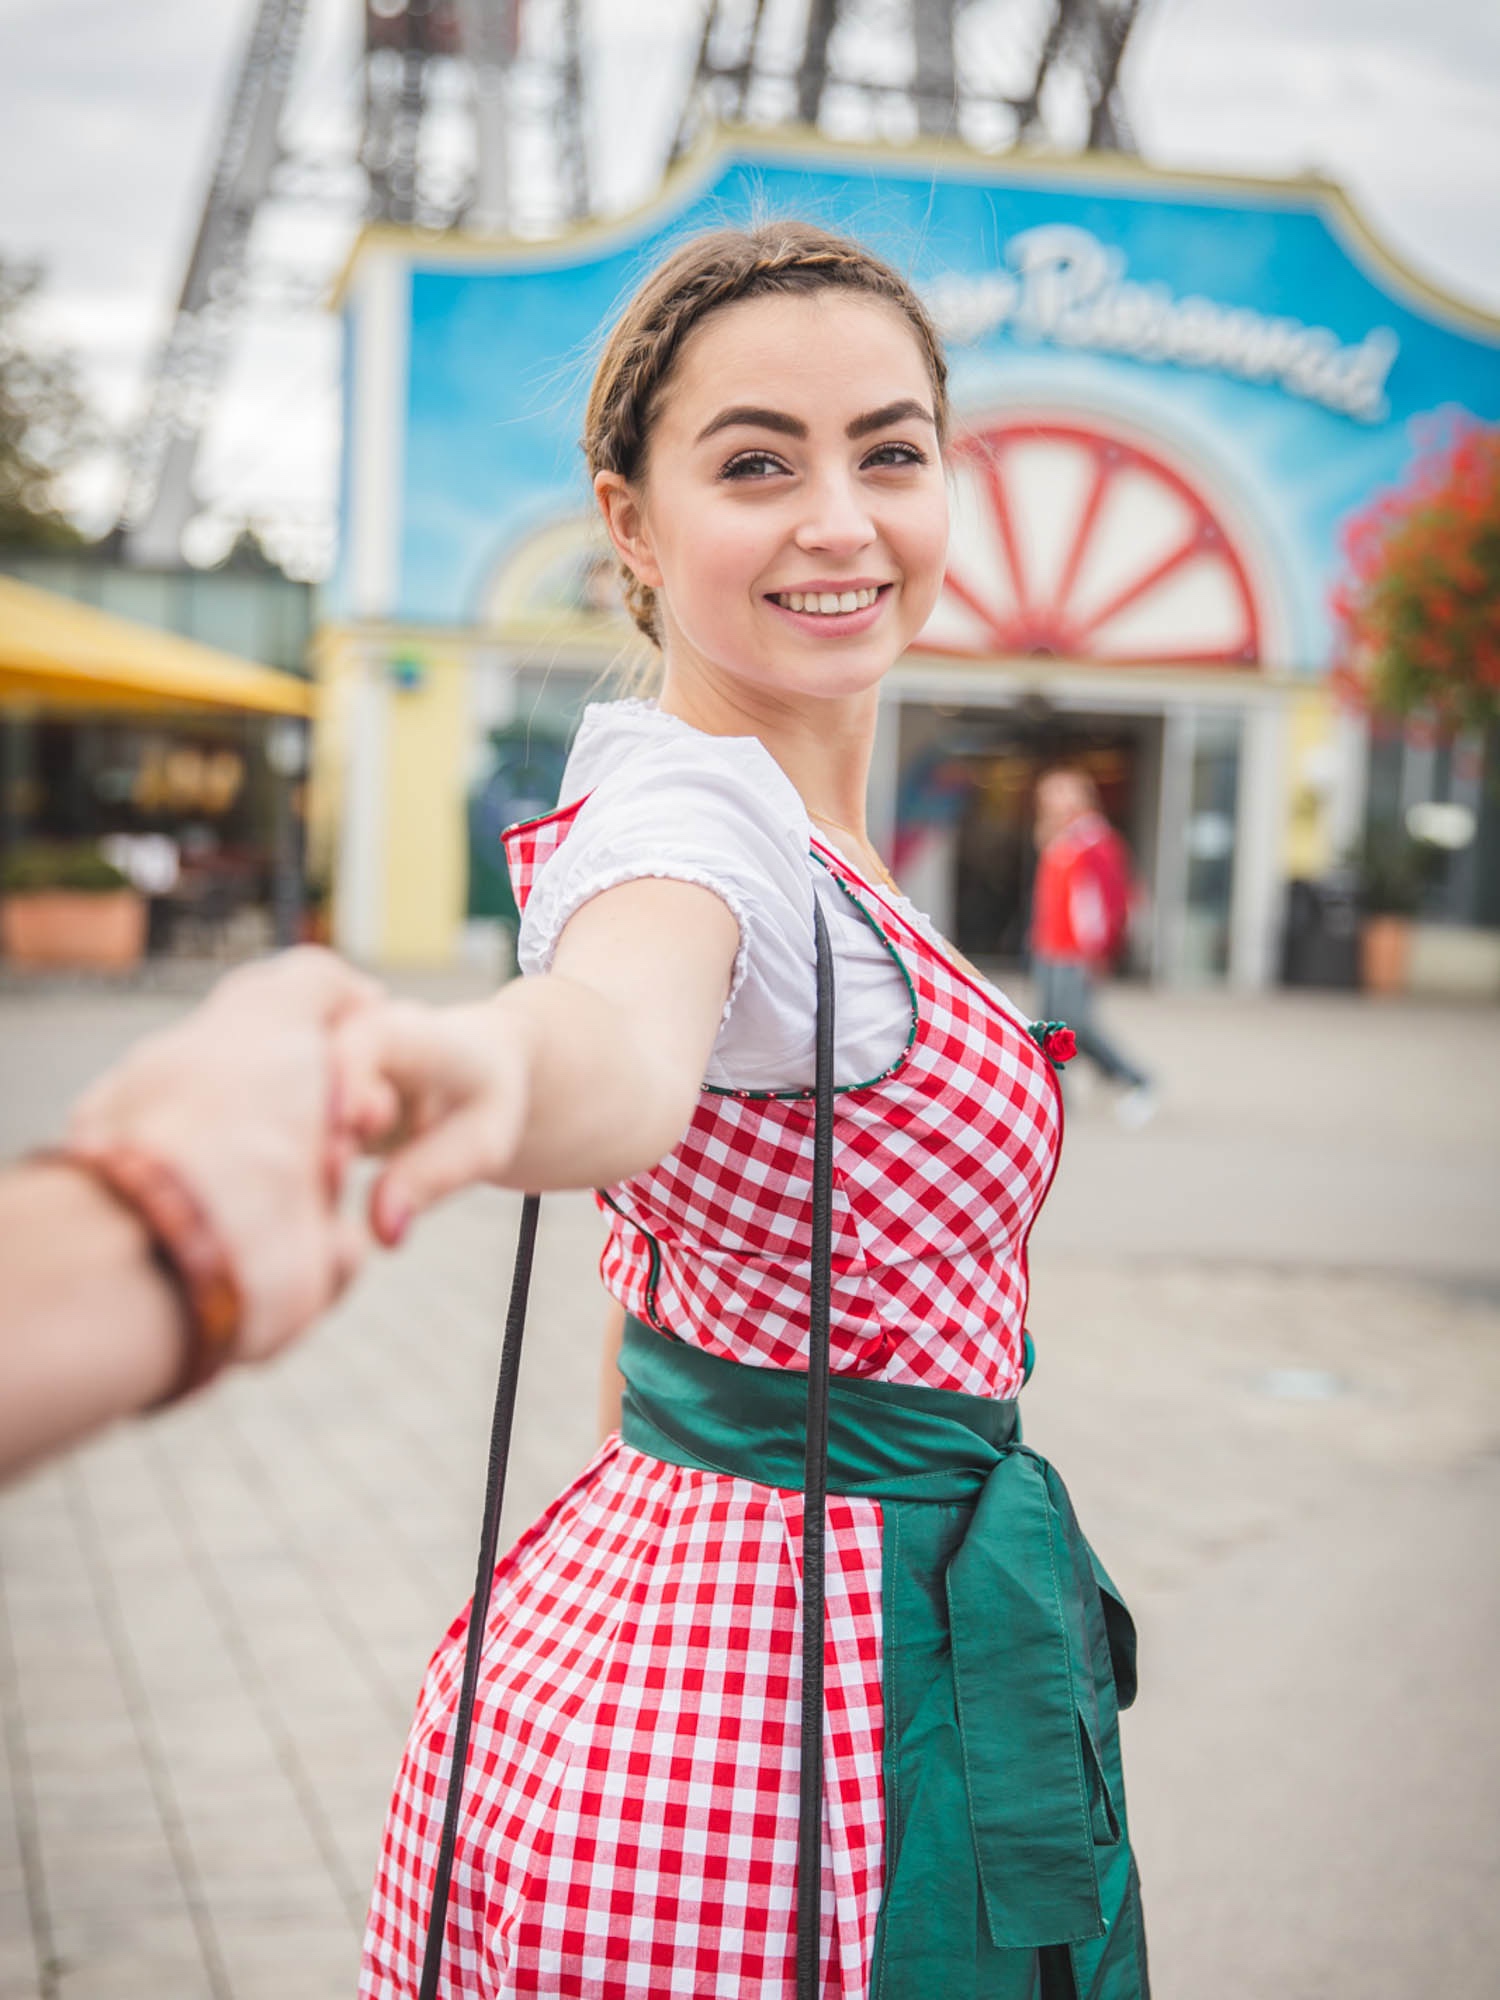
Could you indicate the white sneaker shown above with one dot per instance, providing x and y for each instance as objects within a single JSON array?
[{"x": 1136, "y": 1107}]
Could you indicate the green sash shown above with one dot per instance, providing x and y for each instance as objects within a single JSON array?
[{"x": 1006, "y": 1650}]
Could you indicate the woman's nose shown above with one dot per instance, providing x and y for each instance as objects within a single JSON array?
[{"x": 837, "y": 519}]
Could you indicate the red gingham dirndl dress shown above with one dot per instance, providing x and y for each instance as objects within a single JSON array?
[{"x": 630, "y": 1810}]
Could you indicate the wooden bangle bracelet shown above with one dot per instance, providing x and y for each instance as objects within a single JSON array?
[{"x": 187, "y": 1244}]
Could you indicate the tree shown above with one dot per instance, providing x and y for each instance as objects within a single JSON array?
[
  {"x": 45, "y": 422},
  {"x": 1419, "y": 604}
]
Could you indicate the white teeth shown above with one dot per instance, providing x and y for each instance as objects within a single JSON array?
[{"x": 829, "y": 602}]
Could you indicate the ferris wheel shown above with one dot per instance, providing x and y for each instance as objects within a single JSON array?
[{"x": 1075, "y": 541}]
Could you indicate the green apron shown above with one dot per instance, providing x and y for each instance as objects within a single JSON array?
[{"x": 1007, "y": 1655}]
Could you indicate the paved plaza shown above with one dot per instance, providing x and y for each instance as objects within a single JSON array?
[{"x": 1269, "y": 1368}]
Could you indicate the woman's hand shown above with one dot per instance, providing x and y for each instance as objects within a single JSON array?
[
  {"x": 441, "y": 1091},
  {"x": 576, "y": 1079}
]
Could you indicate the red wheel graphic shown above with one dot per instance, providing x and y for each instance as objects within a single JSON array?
[{"x": 1070, "y": 542}]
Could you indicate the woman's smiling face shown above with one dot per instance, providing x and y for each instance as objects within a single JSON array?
[{"x": 793, "y": 514}]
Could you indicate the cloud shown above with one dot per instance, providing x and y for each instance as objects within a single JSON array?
[{"x": 1400, "y": 106}]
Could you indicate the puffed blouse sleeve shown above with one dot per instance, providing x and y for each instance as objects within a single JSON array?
[{"x": 715, "y": 811}]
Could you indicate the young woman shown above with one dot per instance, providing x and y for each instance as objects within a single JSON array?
[{"x": 766, "y": 435}]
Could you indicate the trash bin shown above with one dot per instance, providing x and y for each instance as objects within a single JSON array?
[{"x": 1320, "y": 938}]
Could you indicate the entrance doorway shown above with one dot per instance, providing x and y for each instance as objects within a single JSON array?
[{"x": 991, "y": 760}]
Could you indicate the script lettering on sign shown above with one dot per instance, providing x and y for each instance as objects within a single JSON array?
[{"x": 1062, "y": 285}]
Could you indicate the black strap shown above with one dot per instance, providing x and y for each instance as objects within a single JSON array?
[
  {"x": 489, "y": 1540},
  {"x": 815, "y": 1490},
  {"x": 810, "y": 1794}
]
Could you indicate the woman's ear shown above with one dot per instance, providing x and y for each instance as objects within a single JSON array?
[{"x": 625, "y": 522}]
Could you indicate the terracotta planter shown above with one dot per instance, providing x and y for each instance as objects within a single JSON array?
[
  {"x": 73, "y": 929},
  {"x": 1385, "y": 953}
]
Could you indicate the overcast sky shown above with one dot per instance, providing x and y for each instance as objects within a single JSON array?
[{"x": 108, "y": 114}]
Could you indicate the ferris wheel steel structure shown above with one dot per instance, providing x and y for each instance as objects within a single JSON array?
[
  {"x": 993, "y": 73},
  {"x": 452, "y": 93},
  {"x": 191, "y": 364}
]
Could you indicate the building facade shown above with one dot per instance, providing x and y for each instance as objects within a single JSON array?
[
  {"x": 1171, "y": 393},
  {"x": 163, "y": 716}
]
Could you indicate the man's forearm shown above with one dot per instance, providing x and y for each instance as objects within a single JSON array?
[{"x": 90, "y": 1326}]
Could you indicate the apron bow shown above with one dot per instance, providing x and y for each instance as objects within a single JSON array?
[{"x": 1004, "y": 1640}]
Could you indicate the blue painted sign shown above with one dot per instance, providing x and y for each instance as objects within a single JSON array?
[{"x": 1238, "y": 357}]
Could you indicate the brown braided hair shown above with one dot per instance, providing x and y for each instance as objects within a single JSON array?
[{"x": 704, "y": 276}]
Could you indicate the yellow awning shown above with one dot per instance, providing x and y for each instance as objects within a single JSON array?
[{"x": 56, "y": 651}]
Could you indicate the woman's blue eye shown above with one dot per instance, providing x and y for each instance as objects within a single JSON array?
[
  {"x": 897, "y": 454},
  {"x": 757, "y": 464},
  {"x": 752, "y": 464}
]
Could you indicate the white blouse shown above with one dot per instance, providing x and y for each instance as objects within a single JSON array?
[{"x": 666, "y": 800}]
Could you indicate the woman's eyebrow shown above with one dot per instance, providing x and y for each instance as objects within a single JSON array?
[
  {"x": 751, "y": 417},
  {"x": 754, "y": 419},
  {"x": 890, "y": 413}
]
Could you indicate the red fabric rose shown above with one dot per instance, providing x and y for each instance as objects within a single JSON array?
[{"x": 1060, "y": 1046}]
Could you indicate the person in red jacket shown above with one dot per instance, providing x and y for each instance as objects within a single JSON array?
[{"x": 1080, "y": 915}]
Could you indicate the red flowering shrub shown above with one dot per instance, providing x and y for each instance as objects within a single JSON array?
[{"x": 1419, "y": 604}]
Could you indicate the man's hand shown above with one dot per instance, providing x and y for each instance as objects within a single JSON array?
[{"x": 239, "y": 1098}]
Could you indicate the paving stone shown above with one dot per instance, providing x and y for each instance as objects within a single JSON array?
[
  {"x": 114, "y": 1874},
  {"x": 287, "y": 1962},
  {"x": 138, "y": 1958},
  {"x": 19, "y": 1974}
]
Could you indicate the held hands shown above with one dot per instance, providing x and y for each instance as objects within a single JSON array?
[
  {"x": 259, "y": 1100},
  {"x": 194, "y": 1210},
  {"x": 231, "y": 1133},
  {"x": 442, "y": 1092},
  {"x": 575, "y": 1080}
]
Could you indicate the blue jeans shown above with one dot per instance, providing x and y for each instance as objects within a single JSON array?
[{"x": 1065, "y": 992}]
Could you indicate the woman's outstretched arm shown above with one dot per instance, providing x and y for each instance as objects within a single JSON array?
[{"x": 574, "y": 1079}]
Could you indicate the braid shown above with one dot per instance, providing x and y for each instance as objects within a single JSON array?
[{"x": 711, "y": 272}]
